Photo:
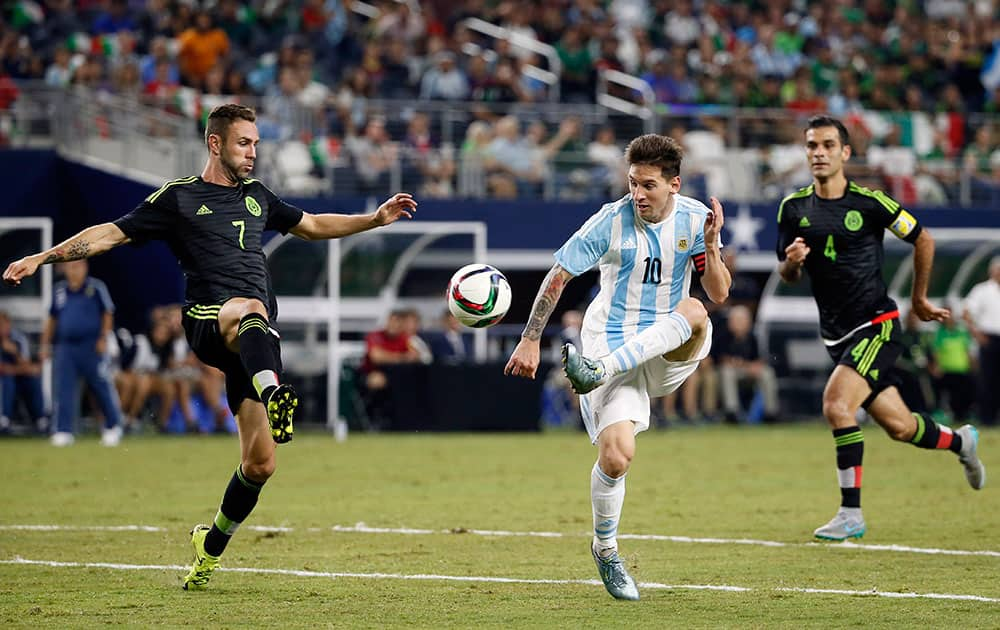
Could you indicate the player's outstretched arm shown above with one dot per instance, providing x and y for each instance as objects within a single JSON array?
[
  {"x": 92, "y": 241},
  {"x": 524, "y": 361},
  {"x": 315, "y": 227},
  {"x": 923, "y": 260},
  {"x": 716, "y": 280}
]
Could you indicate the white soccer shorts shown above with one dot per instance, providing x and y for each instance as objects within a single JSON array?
[{"x": 626, "y": 396}]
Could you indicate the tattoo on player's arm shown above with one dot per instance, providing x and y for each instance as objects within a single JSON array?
[
  {"x": 545, "y": 303},
  {"x": 73, "y": 251}
]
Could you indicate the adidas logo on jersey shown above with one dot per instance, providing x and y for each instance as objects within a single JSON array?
[
  {"x": 203, "y": 210},
  {"x": 628, "y": 244},
  {"x": 804, "y": 222}
]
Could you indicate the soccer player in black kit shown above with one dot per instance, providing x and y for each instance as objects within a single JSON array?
[
  {"x": 834, "y": 229},
  {"x": 213, "y": 223}
]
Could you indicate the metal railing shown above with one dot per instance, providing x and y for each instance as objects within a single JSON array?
[
  {"x": 550, "y": 77},
  {"x": 108, "y": 131},
  {"x": 643, "y": 110},
  {"x": 737, "y": 154}
]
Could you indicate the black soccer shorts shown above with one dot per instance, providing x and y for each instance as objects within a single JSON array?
[
  {"x": 201, "y": 325},
  {"x": 872, "y": 352}
]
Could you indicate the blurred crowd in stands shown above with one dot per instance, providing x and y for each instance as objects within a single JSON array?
[{"x": 918, "y": 81}]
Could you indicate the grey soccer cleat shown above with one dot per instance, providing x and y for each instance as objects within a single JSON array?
[
  {"x": 584, "y": 374},
  {"x": 842, "y": 526},
  {"x": 616, "y": 579},
  {"x": 975, "y": 472}
]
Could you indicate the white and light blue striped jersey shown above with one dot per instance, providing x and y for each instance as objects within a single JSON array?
[{"x": 645, "y": 268}]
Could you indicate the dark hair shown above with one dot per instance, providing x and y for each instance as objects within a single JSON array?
[
  {"x": 225, "y": 115},
  {"x": 656, "y": 150},
  {"x": 829, "y": 121}
]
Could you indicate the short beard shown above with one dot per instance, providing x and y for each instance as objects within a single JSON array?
[{"x": 231, "y": 171}]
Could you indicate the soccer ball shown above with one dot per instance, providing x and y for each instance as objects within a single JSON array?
[{"x": 478, "y": 295}]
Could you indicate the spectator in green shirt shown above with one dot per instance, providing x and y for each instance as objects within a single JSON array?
[{"x": 952, "y": 367}]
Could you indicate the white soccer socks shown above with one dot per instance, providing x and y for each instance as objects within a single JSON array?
[
  {"x": 657, "y": 340},
  {"x": 607, "y": 495}
]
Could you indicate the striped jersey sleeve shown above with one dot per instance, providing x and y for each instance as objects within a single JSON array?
[{"x": 585, "y": 248}]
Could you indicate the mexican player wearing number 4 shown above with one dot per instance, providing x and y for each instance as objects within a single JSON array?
[
  {"x": 645, "y": 333},
  {"x": 834, "y": 229},
  {"x": 214, "y": 225}
]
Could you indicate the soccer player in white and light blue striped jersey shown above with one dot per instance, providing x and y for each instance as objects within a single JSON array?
[{"x": 646, "y": 334}]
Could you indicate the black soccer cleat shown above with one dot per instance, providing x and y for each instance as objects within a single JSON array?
[{"x": 281, "y": 405}]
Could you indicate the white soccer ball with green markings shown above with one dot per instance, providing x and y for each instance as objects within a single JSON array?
[{"x": 478, "y": 295}]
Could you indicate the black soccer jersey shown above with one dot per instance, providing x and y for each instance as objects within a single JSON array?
[
  {"x": 845, "y": 262},
  {"x": 215, "y": 232}
]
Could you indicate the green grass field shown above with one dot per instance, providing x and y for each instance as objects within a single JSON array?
[{"x": 286, "y": 567}]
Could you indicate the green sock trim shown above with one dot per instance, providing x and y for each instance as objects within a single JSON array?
[
  {"x": 921, "y": 426},
  {"x": 850, "y": 438},
  {"x": 246, "y": 482},
  {"x": 225, "y": 525},
  {"x": 252, "y": 323}
]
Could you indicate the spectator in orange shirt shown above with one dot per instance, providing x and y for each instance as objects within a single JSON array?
[{"x": 201, "y": 47}]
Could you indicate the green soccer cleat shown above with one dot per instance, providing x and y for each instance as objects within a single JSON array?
[
  {"x": 584, "y": 374},
  {"x": 843, "y": 526},
  {"x": 616, "y": 579},
  {"x": 975, "y": 472},
  {"x": 280, "y": 411},
  {"x": 204, "y": 564}
]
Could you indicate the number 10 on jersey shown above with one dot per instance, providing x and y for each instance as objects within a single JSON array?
[{"x": 652, "y": 273}]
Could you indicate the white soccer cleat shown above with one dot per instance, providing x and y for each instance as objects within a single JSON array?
[
  {"x": 111, "y": 437},
  {"x": 62, "y": 438},
  {"x": 975, "y": 472},
  {"x": 848, "y": 523}
]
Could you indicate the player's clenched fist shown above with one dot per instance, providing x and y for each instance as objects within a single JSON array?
[{"x": 797, "y": 251}]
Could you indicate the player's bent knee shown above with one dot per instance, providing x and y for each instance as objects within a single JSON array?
[
  {"x": 259, "y": 471},
  {"x": 694, "y": 312},
  {"x": 615, "y": 463},
  {"x": 253, "y": 306},
  {"x": 837, "y": 413}
]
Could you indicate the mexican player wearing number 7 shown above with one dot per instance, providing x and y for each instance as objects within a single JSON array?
[
  {"x": 833, "y": 229},
  {"x": 214, "y": 225},
  {"x": 645, "y": 334}
]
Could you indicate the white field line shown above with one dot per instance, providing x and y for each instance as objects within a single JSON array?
[
  {"x": 361, "y": 528},
  {"x": 496, "y": 580}
]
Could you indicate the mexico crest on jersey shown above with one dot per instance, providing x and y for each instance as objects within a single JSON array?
[
  {"x": 853, "y": 220},
  {"x": 252, "y": 206}
]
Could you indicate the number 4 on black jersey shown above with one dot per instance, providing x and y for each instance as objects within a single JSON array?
[{"x": 846, "y": 253}]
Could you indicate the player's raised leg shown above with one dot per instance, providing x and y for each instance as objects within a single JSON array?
[
  {"x": 246, "y": 330},
  {"x": 661, "y": 338},
  {"x": 616, "y": 447},
  {"x": 891, "y": 412},
  {"x": 257, "y": 464},
  {"x": 844, "y": 393}
]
